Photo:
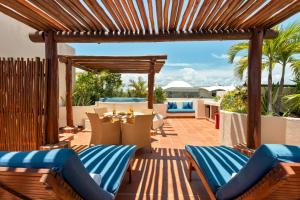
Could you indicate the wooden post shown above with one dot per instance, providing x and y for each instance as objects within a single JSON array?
[
  {"x": 254, "y": 89},
  {"x": 52, "y": 89},
  {"x": 69, "y": 108},
  {"x": 151, "y": 76}
]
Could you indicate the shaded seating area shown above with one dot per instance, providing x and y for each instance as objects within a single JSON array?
[
  {"x": 273, "y": 172},
  {"x": 122, "y": 129},
  {"x": 63, "y": 174}
]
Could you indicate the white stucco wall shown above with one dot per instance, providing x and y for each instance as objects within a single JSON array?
[
  {"x": 15, "y": 42},
  {"x": 274, "y": 130}
]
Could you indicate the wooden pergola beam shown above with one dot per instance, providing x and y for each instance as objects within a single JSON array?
[
  {"x": 52, "y": 89},
  {"x": 63, "y": 58},
  {"x": 151, "y": 78},
  {"x": 99, "y": 37},
  {"x": 116, "y": 64},
  {"x": 254, "y": 89},
  {"x": 69, "y": 107}
]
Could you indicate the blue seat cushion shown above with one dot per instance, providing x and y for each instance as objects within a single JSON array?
[
  {"x": 172, "y": 105},
  {"x": 263, "y": 160},
  {"x": 187, "y": 105},
  {"x": 218, "y": 163},
  {"x": 65, "y": 162},
  {"x": 110, "y": 161},
  {"x": 180, "y": 110}
]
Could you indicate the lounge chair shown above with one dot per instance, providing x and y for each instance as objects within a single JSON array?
[
  {"x": 64, "y": 174},
  {"x": 273, "y": 172}
]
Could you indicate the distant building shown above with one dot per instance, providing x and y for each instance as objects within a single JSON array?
[{"x": 182, "y": 89}]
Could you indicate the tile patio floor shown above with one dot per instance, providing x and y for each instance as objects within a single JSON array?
[{"x": 162, "y": 174}]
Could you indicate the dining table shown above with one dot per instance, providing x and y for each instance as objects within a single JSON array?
[{"x": 122, "y": 116}]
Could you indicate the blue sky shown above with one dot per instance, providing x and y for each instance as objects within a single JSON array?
[{"x": 198, "y": 63}]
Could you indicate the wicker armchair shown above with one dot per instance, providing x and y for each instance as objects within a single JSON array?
[{"x": 104, "y": 131}]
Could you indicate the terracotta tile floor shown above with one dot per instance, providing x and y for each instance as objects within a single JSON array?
[{"x": 162, "y": 174}]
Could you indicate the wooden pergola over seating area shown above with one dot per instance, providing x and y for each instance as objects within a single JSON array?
[
  {"x": 107, "y": 21},
  {"x": 149, "y": 64}
]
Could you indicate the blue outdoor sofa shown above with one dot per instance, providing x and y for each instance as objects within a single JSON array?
[
  {"x": 180, "y": 109},
  {"x": 272, "y": 172},
  {"x": 64, "y": 174}
]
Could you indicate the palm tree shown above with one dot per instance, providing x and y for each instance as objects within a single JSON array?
[
  {"x": 288, "y": 44},
  {"x": 278, "y": 50},
  {"x": 138, "y": 88},
  {"x": 242, "y": 64}
]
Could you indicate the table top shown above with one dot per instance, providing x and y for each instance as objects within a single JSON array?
[{"x": 119, "y": 115}]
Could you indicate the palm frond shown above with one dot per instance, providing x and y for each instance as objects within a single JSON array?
[
  {"x": 240, "y": 67},
  {"x": 235, "y": 49}
]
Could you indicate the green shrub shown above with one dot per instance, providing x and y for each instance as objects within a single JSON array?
[
  {"x": 235, "y": 101},
  {"x": 292, "y": 103},
  {"x": 89, "y": 87},
  {"x": 160, "y": 95}
]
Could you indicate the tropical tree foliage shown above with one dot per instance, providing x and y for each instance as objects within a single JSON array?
[
  {"x": 137, "y": 88},
  {"x": 235, "y": 101},
  {"x": 288, "y": 44},
  {"x": 89, "y": 87},
  {"x": 160, "y": 95},
  {"x": 280, "y": 50}
]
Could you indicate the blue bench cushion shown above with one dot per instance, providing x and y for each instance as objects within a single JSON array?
[
  {"x": 172, "y": 105},
  {"x": 65, "y": 162},
  {"x": 110, "y": 161},
  {"x": 180, "y": 110},
  {"x": 264, "y": 159},
  {"x": 187, "y": 105},
  {"x": 218, "y": 164}
]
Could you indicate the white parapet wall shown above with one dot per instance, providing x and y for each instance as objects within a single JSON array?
[
  {"x": 274, "y": 130},
  {"x": 79, "y": 115},
  {"x": 161, "y": 109},
  {"x": 123, "y": 106}
]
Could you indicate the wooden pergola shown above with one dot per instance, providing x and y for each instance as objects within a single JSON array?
[
  {"x": 149, "y": 64},
  {"x": 105, "y": 21}
]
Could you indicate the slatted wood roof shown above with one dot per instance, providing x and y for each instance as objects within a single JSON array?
[
  {"x": 117, "y": 64},
  {"x": 156, "y": 20}
]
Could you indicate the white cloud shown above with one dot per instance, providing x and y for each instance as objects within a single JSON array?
[
  {"x": 178, "y": 64},
  {"x": 199, "y": 74},
  {"x": 222, "y": 56},
  {"x": 198, "y": 77},
  {"x": 225, "y": 57},
  {"x": 276, "y": 75}
]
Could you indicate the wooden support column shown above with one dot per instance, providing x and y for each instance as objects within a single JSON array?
[
  {"x": 52, "y": 89},
  {"x": 254, "y": 89},
  {"x": 69, "y": 108},
  {"x": 151, "y": 77}
]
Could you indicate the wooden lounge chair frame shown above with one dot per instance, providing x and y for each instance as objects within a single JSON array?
[
  {"x": 26, "y": 183},
  {"x": 282, "y": 182}
]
